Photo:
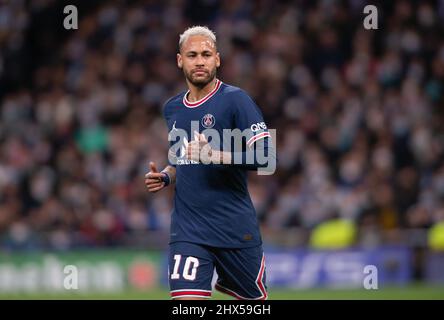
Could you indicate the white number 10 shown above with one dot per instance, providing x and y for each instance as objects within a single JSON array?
[{"x": 186, "y": 269}]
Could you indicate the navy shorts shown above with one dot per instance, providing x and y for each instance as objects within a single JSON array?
[{"x": 241, "y": 272}]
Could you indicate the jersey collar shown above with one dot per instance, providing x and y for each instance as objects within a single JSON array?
[{"x": 204, "y": 99}]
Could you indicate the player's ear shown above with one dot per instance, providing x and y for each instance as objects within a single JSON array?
[
  {"x": 217, "y": 60},
  {"x": 179, "y": 60}
]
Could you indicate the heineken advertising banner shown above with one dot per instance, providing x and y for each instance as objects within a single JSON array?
[{"x": 89, "y": 271}]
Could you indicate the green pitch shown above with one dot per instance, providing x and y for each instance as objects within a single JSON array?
[{"x": 412, "y": 292}]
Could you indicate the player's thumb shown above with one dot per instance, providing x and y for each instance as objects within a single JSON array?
[
  {"x": 202, "y": 138},
  {"x": 153, "y": 168}
]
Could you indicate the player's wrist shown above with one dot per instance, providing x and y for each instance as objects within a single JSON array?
[{"x": 166, "y": 178}]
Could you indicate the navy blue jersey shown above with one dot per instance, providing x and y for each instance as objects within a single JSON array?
[{"x": 212, "y": 205}]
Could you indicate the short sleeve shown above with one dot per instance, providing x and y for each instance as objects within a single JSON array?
[{"x": 248, "y": 118}]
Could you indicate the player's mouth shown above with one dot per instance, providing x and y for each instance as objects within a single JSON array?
[{"x": 200, "y": 72}]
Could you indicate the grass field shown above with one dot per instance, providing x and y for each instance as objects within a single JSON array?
[{"x": 413, "y": 292}]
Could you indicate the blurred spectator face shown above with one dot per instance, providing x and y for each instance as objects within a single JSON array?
[{"x": 199, "y": 60}]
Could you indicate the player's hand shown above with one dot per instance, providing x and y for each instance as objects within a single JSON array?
[
  {"x": 153, "y": 179},
  {"x": 199, "y": 149}
]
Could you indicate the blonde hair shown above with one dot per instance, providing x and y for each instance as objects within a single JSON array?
[{"x": 197, "y": 31}]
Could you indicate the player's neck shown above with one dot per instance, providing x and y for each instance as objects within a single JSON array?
[{"x": 197, "y": 93}]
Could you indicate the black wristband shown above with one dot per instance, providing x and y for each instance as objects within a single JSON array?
[{"x": 166, "y": 178}]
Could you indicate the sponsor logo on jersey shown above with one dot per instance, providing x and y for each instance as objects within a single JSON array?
[{"x": 258, "y": 126}]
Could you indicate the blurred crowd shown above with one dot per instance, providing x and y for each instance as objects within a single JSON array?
[{"x": 359, "y": 116}]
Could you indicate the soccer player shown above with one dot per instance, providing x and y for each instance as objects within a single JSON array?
[{"x": 214, "y": 224}]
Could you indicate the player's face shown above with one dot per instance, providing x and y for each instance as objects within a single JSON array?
[{"x": 199, "y": 60}]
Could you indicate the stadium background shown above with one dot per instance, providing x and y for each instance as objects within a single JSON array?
[{"x": 360, "y": 140}]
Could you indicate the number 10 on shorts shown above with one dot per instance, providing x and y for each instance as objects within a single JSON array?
[{"x": 189, "y": 269}]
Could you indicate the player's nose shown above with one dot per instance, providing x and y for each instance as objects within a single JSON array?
[{"x": 199, "y": 61}]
